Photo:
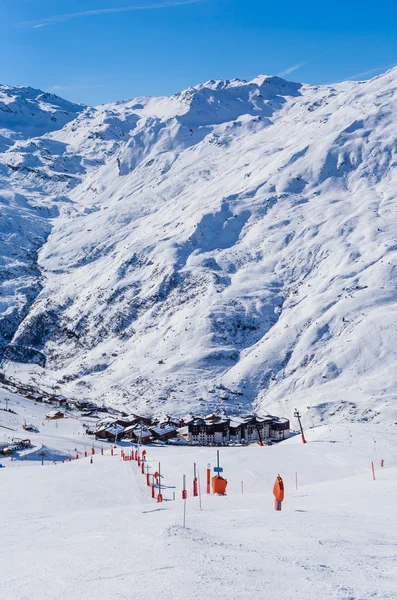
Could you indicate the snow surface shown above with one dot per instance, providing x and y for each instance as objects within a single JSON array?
[
  {"x": 229, "y": 245},
  {"x": 82, "y": 530}
]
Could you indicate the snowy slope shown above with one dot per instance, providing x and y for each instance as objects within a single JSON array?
[
  {"x": 25, "y": 212},
  {"x": 230, "y": 245},
  {"x": 55, "y": 440},
  {"x": 83, "y": 530}
]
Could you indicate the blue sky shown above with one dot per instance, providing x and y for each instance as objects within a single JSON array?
[{"x": 97, "y": 51}]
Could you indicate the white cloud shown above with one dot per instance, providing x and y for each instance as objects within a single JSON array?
[
  {"x": 77, "y": 86},
  {"x": 370, "y": 72},
  {"x": 105, "y": 11},
  {"x": 291, "y": 69}
]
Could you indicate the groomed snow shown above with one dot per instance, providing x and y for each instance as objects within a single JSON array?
[{"x": 82, "y": 530}]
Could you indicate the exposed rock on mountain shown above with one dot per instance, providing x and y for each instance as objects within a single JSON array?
[{"x": 229, "y": 245}]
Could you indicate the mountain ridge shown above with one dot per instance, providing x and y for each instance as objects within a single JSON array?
[{"x": 225, "y": 247}]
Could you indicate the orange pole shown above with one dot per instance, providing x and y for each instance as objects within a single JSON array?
[{"x": 208, "y": 478}]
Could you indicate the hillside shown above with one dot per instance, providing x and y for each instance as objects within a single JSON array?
[{"x": 229, "y": 245}]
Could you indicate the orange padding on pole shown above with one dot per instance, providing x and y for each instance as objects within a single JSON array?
[{"x": 219, "y": 485}]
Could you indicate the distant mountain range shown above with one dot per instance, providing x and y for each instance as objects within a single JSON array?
[{"x": 233, "y": 246}]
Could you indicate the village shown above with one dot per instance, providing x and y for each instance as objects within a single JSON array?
[{"x": 114, "y": 426}]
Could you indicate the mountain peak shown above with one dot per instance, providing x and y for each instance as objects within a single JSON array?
[{"x": 26, "y": 112}]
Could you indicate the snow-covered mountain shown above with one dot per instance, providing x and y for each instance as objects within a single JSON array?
[{"x": 232, "y": 244}]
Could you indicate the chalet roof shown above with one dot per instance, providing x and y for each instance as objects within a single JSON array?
[
  {"x": 115, "y": 429},
  {"x": 101, "y": 428},
  {"x": 54, "y": 413},
  {"x": 106, "y": 421},
  {"x": 196, "y": 421},
  {"x": 129, "y": 428},
  {"x": 218, "y": 420},
  {"x": 138, "y": 430},
  {"x": 163, "y": 430},
  {"x": 279, "y": 420},
  {"x": 236, "y": 422},
  {"x": 267, "y": 419},
  {"x": 142, "y": 430}
]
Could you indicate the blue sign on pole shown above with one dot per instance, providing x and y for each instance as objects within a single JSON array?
[{"x": 218, "y": 470}]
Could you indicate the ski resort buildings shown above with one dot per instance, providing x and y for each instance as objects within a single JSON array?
[
  {"x": 206, "y": 431},
  {"x": 215, "y": 429}
]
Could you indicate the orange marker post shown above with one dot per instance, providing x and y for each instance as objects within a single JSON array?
[
  {"x": 195, "y": 481},
  {"x": 278, "y": 492},
  {"x": 219, "y": 483},
  {"x": 208, "y": 478}
]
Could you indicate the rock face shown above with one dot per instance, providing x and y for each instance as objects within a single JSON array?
[{"x": 231, "y": 245}]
